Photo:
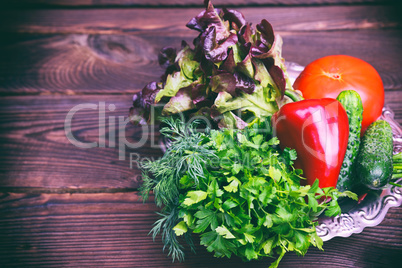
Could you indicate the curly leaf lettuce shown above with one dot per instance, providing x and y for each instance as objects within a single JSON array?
[{"x": 229, "y": 56}]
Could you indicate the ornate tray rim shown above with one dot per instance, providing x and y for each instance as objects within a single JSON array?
[{"x": 366, "y": 214}]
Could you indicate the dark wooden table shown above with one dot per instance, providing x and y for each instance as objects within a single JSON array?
[{"x": 63, "y": 206}]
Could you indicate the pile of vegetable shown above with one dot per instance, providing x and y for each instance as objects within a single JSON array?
[
  {"x": 250, "y": 164},
  {"x": 368, "y": 160}
]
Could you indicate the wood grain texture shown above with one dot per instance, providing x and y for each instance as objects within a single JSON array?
[
  {"x": 78, "y": 64},
  {"x": 169, "y": 3},
  {"x": 114, "y": 51},
  {"x": 173, "y": 20},
  {"x": 122, "y": 64},
  {"x": 37, "y": 153},
  {"x": 111, "y": 230}
]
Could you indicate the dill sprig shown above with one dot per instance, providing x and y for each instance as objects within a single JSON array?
[
  {"x": 185, "y": 155},
  {"x": 164, "y": 226}
]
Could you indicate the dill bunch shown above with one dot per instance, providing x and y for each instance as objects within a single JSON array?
[{"x": 184, "y": 157}]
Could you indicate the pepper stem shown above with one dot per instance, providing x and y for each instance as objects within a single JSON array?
[{"x": 293, "y": 95}]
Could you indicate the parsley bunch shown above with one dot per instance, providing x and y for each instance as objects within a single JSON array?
[{"x": 238, "y": 191}]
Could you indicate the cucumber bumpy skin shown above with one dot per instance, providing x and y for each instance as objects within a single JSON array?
[
  {"x": 353, "y": 105},
  {"x": 374, "y": 164}
]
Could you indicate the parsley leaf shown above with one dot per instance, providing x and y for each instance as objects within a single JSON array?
[
  {"x": 206, "y": 218},
  {"x": 194, "y": 197}
]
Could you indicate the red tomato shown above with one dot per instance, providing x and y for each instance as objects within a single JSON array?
[{"x": 328, "y": 76}]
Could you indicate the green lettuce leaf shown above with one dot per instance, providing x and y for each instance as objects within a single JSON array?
[
  {"x": 174, "y": 82},
  {"x": 261, "y": 103}
]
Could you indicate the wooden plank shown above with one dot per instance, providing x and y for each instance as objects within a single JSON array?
[
  {"x": 169, "y": 3},
  {"x": 110, "y": 64},
  {"x": 87, "y": 61},
  {"x": 172, "y": 20},
  {"x": 111, "y": 230},
  {"x": 35, "y": 151},
  {"x": 303, "y": 48},
  {"x": 108, "y": 51},
  {"x": 84, "y": 64}
]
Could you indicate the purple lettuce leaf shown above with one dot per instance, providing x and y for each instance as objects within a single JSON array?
[
  {"x": 180, "y": 102},
  {"x": 267, "y": 36},
  {"x": 224, "y": 82},
  {"x": 246, "y": 34},
  {"x": 209, "y": 18},
  {"x": 279, "y": 79},
  {"x": 198, "y": 94},
  {"x": 264, "y": 47},
  {"x": 214, "y": 51},
  {"x": 244, "y": 83},
  {"x": 235, "y": 18},
  {"x": 146, "y": 97},
  {"x": 142, "y": 103},
  {"x": 259, "y": 50},
  {"x": 229, "y": 65},
  {"x": 232, "y": 83},
  {"x": 277, "y": 75},
  {"x": 166, "y": 57},
  {"x": 266, "y": 72}
]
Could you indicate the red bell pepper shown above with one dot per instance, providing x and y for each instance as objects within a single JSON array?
[{"x": 318, "y": 130}]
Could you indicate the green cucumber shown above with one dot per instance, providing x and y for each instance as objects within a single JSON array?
[
  {"x": 374, "y": 164},
  {"x": 352, "y": 103}
]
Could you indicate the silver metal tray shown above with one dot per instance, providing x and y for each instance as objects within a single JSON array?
[{"x": 355, "y": 216}]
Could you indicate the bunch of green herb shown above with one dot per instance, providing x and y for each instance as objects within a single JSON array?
[{"x": 238, "y": 191}]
